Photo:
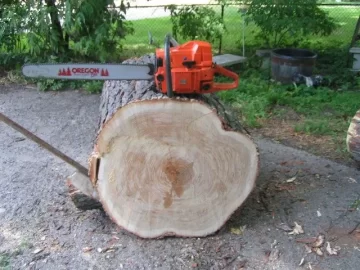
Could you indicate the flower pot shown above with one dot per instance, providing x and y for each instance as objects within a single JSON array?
[{"x": 288, "y": 63}]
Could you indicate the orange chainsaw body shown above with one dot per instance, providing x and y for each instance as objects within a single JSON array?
[{"x": 192, "y": 70}]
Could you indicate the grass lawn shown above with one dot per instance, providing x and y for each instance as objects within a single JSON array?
[
  {"x": 138, "y": 43},
  {"x": 314, "y": 119}
]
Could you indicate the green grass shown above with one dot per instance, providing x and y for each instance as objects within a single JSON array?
[
  {"x": 138, "y": 43},
  {"x": 4, "y": 261},
  {"x": 325, "y": 111}
]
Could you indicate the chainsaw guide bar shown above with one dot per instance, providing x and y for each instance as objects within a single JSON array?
[{"x": 90, "y": 71}]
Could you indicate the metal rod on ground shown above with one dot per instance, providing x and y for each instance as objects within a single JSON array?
[{"x": 44, "y": 144}]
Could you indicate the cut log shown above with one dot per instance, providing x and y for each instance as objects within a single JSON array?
[
  {"x": 163, "y": 166},
  {"x": 353, "y": 137}
]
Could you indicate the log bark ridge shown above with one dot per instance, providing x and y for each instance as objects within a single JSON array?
[
  {"x": 161, "y": 166},
  {"x": 353, "y": 137}
]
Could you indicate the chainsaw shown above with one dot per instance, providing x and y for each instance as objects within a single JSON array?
[{"x": 181, "y": 69}]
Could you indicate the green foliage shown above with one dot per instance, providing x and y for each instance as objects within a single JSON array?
[
  {"x": 196, "y": 22},
  {"x": 288, "y": 22},
  {"x": 90, "y": 30},
  {"x": 4, "y": 261},
  {"x": 325, "y": 111},
  {"x": 61, "y": 31}
]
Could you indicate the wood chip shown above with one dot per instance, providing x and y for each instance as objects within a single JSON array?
[
  {"x": 297, "y": 229},
  {"x": 292, "y": 179},
  {"x": 87, "y": 249},
  {"x": 38, "y": 250},
  {"x": 332, "y": 251}
]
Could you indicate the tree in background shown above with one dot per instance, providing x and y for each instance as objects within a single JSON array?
[
  {"x": 288, "y": 22},
  {"x": 87, "y": 29}
]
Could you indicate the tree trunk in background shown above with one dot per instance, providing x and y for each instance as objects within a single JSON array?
[{"x": 56, "y": 25}]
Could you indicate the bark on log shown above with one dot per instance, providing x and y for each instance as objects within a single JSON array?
[
  {"x": 353, "y": 137},
  {"x": 164, "y": 166},
  {"x": 82, "y": 193}
]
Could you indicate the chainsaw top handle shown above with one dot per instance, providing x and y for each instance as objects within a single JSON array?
[{"x": 167, "y": 45}]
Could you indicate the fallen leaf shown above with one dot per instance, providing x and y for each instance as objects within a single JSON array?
[
  {"x": 283, "y": 226},
  {"x": 319, "y": 241},
  {"x": 38, "y": 250},
  {"x": 332, "y": 251},
  {"x": 297, "y": 229},
  {"x": 302, "y": 262},
  {"x": 352, "y": 180},
  {"x": 292, "y": 179},
  {"x": 240, "y": 230},
  {"x": 318, "y": 251}
]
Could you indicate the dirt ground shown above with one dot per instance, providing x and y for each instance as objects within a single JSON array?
[{"x": 41, "y": 229}]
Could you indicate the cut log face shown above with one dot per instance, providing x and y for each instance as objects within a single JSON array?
[
  {"x": 163, "y": 166},
  {"x": 353, "y": 137},
  {"x": 168, "y": 167}
]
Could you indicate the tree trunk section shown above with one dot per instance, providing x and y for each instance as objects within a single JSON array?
[
  {"x": 162, "y": 166},
  {"x": 353, "y": 138}
]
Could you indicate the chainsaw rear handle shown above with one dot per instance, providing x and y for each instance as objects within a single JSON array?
[{"x": 225, "y": 86}]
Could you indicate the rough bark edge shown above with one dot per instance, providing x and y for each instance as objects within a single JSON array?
[
  {"x": 81, "y": 195},
  {"x": 225, "y": 127}
]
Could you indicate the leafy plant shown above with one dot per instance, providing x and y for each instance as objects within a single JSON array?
[
  {"x": 196, "y": 22},
  {"x": 288, "y": 22}
]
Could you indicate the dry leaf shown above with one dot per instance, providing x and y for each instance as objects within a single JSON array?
[
  {"x": 319, "y": 241},
  {"x": 283, "y": 226},
  {"x": 352, "y": 180},
  {"x": 240, "y": 230},
  {"x": 297, "y": 229},
  {"x": 292, "y": 179},
  {"x": 332, "y": 251},
  {"x": 318, "y": 251}
]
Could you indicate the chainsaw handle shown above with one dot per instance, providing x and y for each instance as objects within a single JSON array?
[
  {"x": 225, "y": 86},
  {"x": 167, "y": 66}
]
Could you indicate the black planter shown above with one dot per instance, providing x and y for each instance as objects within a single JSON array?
[{"x": 287, "y": 63}]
